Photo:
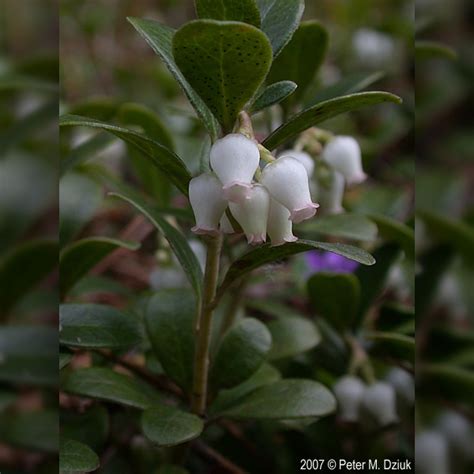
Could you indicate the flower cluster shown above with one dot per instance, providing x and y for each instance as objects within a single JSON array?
[
  {"x": 265, "y": 206},
  {"x": 378, "y": 399},
  {"x": 268, "y": 201}
]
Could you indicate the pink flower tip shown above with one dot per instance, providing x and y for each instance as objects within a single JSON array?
[
  {"x": 303, "y": 213},
  {"x": 237, "y": 191},
  {"x": 256, "y": 239},
  {"x": 205, "y": 230}
]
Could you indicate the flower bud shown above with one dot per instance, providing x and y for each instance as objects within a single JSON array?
[
  {"x": 349, "y": 391},
  {"x": 234, "y": 159},
  {"x": 208, "y": 203},
  {"x": 331, "y": 193},
  {"x": 279, "y": 227},
  {"x": 343, "y": 154},
  {"x": 287, "y": 182},
  {"x": 379, "y": 400},
  {"x": 403, "y": 383},
  {"x": 303, "y": 157},
  {"x": 252, "y": 214},
  {"x": 225, "y": 225},
  {"x": 431, "y": 453}
]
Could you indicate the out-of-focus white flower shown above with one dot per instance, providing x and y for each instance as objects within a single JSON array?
[
  {"x": 458, "y": 432},
  {"x": 373, "y": 48},
  {"x": 343, "y": 154},
  {"x": 225, "y": 225},
  {"x": 331, "y": 194},
  {"x": 208, "y": 203},
  {"x": 279, "y": 227},
  {"x": 252, "y": 214},
  {"x": 234, "y": 159},
  {"x": 403, "y": 384},
  {"x": 431, "y": 453},
  {"x": 379, "y": 400},
  {"x": 349, "y": 391},
  {"x": 303, "y": 157},
  {"x": 287, "y": 181}
]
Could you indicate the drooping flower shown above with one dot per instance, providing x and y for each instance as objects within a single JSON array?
[
  {"x": 234, "y": 159},
  {"x": 331, "y": 193},
  {"x": 403, "y": 383},
  {"x": 208, "y": 203},
  {"x": 379, "y": 400},
  {"x": 287, "y": 181},
  {"x": 252, "y": 214},
  {"x": 431, "y": 453},
  {"x": 303, "y": 157},
  {"x": 343, "y": 154},
  {"x": 225, "y": 225},
  {"x": 349, "y": 391},
  {"x": 279, "y": 227}
]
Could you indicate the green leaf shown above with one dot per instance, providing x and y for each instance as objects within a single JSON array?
[
  {"x": 348, "y": 226},
  {"x": 17, "y": 82},
  {"x": 348, "y": 85},
  {"x": 169, "y": 320},
  {"x": 7, "y": 398},
  {"x": 26, "y": 126},
  {"x": 64, "y": 359},
  {"x": 81, "y": 256},
  {"x": 265, "y": 375},
  {"x": 394, "y": 231},
  {"x": 105, "y": 384},
  {"x": 273, "y": 94},
  {"x": 300, "y": 59},
  {"x": 393, "y": 345},
  {"x": 245, "y": 11},
  {"x": 23, "y": 268},
  {"x": 241, "y": 352},
  {"x": 160, "y": 38},
  {"x": 225, "y": 63},
  {"x": 98, "y": 108},
  {"x": 139, "y": 115},
  {"x": 163, "y": 158},
  {"x": 32, "y": 430},
  {"x": 372, "y": 280},
  {"x": 450, "y": 231},
  {"x": 79, "y": 199},
  {"x": 266, "y": 254},
  {"x": 433, "y": 49},
  {"x": 292, "y": 334},
  {"x": 285, "y": 399},
  {"x": 76, "y": 457},
  {"x": 29, "y": 355},
  {"x": 443, "y": 380},
  {"x": 395, "y": 317},
  {"x": 280, "y": 18},
  {"x": 169, "y": 426},
  {"x": 85, "y": 151},
  {"x": 335, "y": 296},
  {"x": 154, "y": 181},
  {"x": 97, "y": 326},
  {"x": 175, "y": 238},
  {"x": 90, "y": 426},
  {"x": 324, "y": 111}
]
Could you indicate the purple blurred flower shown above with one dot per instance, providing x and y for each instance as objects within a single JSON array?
[{"x": 329, "y": 262}]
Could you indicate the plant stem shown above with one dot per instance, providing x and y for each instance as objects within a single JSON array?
[
  {"x": 203, "y": 326},
  {"x": 359, "y": 359}
]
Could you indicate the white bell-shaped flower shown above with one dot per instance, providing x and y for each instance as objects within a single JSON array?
[
  {"x": 403, "y": 383},
  {"x": 431, "y": 453},
  {"x": 379, "y": 400},
  {"x": 303, "y": 157},
  {"x": 234, "y": 159},
  {"x": 331, "y": 193},
  {"x": 252, "y": 214},
  {"x": 279, "y": 226},
  {"x": 208, "y": 203},
  {"x": 287, "y": 181},
  {"x": 344, "y": 155},
  {"x": 225, "y": 225},
  {"x": 349, "y": 391}
]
